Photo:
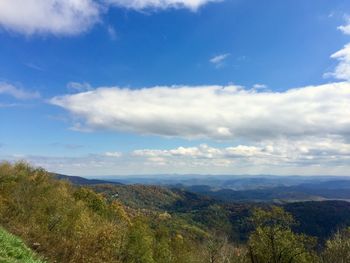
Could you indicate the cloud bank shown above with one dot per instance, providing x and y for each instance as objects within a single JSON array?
[
  {"x": 308, "y": 156},
  {"x": 281, "y": 152},
  {"x": 304, "y": 130},
  {"x": 214, "y": 112}
]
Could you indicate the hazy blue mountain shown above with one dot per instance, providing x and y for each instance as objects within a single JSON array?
[
  {"x": 82, "y": 180},
  {"x": 245, "y": 188}
]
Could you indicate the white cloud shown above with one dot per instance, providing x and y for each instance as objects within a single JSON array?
[
  {"x": 71, "y": 17},
  {"x": 160, "y": 4},
  {"x": 214, "y": 112},
  {"x": 281, "y": 152},
  {"x": 113, "y": 154},
  {"x": 310, "y": 155},
  {"x": 342, "y": 70},
  {"x": 59, "y": 17},
  {"x": 345, "y": 28},
  {"x": 218, "y": 60},
  {"x": 78, "y": 87},
  {"x": 8, "y": 89},
  {"x": 259, "y": 86}
]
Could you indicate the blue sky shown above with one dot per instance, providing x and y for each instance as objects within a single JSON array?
[{"x": 120, "y": 87}]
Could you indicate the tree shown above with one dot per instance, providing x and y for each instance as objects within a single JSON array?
[
  {"x": 273, "y": 241},
  {"x": 139, "y": 243},
  {"x": 338, "y": 248},
  {"x": 217, "y": 250},
  {"x": 162, "y": 249}
]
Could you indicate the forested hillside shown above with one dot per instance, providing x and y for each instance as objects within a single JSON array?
[
  {"x": 329, "y": 190},
  {"x": 319, "y": 219},
  {"x": 62, "y": 222}
]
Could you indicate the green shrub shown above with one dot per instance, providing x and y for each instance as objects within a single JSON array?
[{"x": 13, "y": 250}]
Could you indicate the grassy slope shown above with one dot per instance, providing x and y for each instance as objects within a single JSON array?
[{"x": 13, "y": 250}]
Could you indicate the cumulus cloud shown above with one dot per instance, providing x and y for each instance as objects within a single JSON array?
[
  {"x": 218, "y": 60},
  {"x": 59, "y": 17},
  {"x": 8, "y": 89},
  {"x": 311, "y": 154},
  {"x": 160, "y": 4},
  {"x": 215, "y": 112},
  {"x": 281, "y": 152},
  {"x": 202, "y": 155}
]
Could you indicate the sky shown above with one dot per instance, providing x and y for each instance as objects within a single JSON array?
[{"x": 152, "y": 87}]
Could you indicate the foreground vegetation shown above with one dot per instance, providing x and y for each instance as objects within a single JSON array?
[
  {"x": 66, "y": 223},
  {"x": 12, "y": 249}
]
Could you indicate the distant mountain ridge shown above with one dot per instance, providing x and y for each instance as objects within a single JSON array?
[
  {"x": 328, "y": 190},
  {"x": 82, "y": 180},
  {"x": 234, "y": 182},
  {"x": 275, "y": 189}
]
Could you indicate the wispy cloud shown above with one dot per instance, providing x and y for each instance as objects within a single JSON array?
[
  {"x": 21, "y": 94},
  {"x": 8, "y": 105},
  {"x": 34, "y": 66},
  {"x": 218, "y": 60},
  {"x": 89, "y": 164},
  {"x": 112, "y": 32},
  {"x": 163, "y": 4},
  {"x": 78, "y": 87},
  {"x": 345, "y": 28},
  {"x": 259, "y": 86},
  {"x": 68, "y": 146},
  {"x": 113, "y": 154}
]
